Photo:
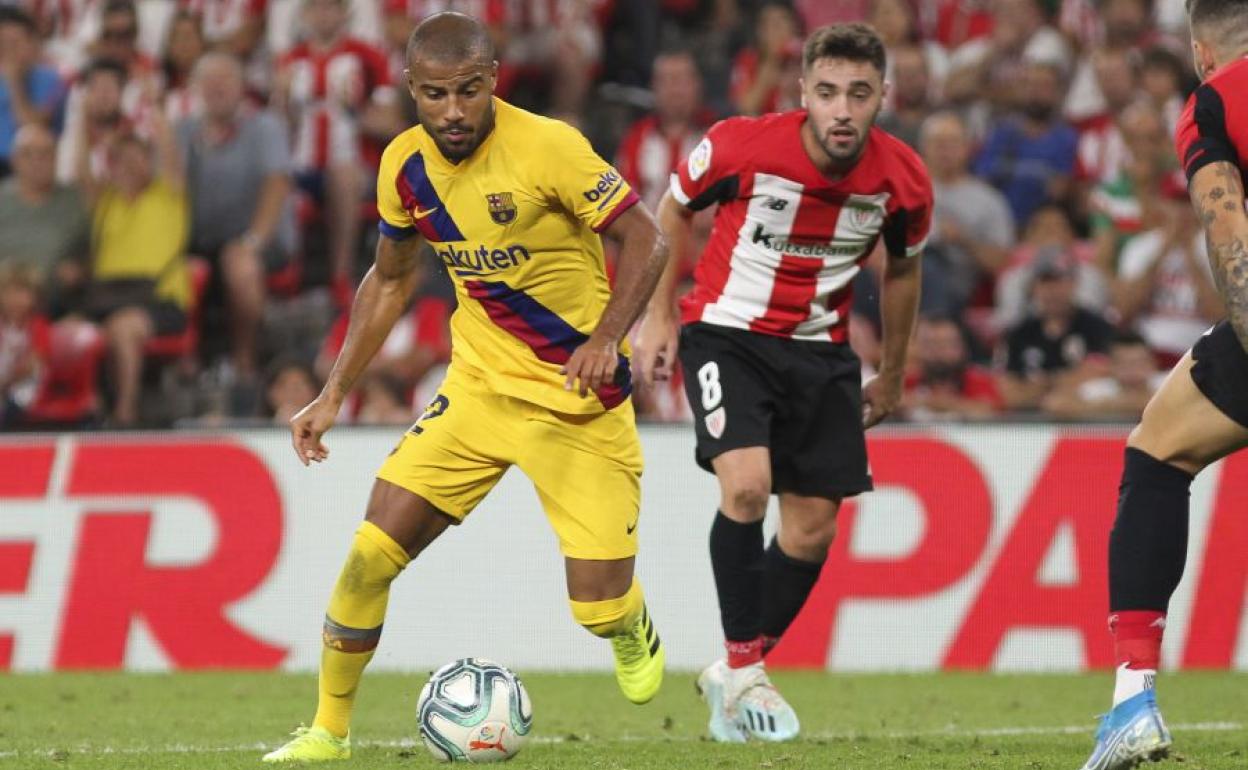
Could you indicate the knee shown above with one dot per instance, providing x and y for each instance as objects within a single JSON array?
[
  {"x": 241, "y": 269},
  {"x": 1151, "y": 438},
  {"x": 808, "y": 540},
  {"x": 746, "y": 501}
]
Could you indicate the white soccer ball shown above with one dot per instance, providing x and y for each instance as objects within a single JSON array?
[{"x": 474, "y": 710}]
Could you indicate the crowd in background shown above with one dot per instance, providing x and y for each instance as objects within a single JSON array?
[{"x": 186, "y": 190}]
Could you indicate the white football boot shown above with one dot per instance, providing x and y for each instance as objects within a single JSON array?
[
  {"x": 723, "y": 725},
  {"x": 757, "y": 705}
]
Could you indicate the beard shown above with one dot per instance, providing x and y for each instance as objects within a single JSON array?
[
  {"x": 843, "y": 153},
  {"x": 1039, "y": 111},
  {"x": 459, "y": 152}
]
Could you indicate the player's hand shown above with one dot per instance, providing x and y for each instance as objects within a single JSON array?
[
  {"x": 307, "y": 427},
  {"x": 592, "y": 364},
  {"x": 655, "y": 351},
  {"x": 880, "y": 396}
]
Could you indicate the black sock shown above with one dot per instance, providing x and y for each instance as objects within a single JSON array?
[
  {"x": 1148, "y": 544},
  {"x": 737, "y": 561},
  {"x": 786, "y": 584}
]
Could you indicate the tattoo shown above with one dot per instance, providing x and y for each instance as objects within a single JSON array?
[
  {"x": 1229, "y": 206},
  {"x": 1217, "y": 193},
  {"x": 1228, "y": 254}
]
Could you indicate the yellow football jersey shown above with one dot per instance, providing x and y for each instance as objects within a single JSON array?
[{"x": 516, "y": 225}]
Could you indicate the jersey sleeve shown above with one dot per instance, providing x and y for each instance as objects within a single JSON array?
[
  {"x": 396, "y": 221},
  {"x": 1201, "y": 137},
  {"x": 907, "y": 224},
  {"x": 582, "y": 182},
  {"x": 710, "y": 174}
]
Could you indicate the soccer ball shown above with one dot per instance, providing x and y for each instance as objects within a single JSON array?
[{"x": 474, "y": 710}]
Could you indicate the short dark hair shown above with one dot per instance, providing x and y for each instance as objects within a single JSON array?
[
  {"x": 1127, "y": 338},
  {"x": 17, "y": 17},
  {"x": 108, "y": 66},
  {"x": 855, "y": 42},
  {"x": 1219, "y": 14},
  {"x": 451, "y": 37}
]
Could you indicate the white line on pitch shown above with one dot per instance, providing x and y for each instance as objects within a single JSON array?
[{"x": 407, "y": 743}]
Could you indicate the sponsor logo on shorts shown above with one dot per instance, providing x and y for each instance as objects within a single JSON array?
[{"x": 716, "y": 421}]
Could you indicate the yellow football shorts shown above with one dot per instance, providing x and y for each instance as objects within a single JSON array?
[{"x": 586, "y": 468}]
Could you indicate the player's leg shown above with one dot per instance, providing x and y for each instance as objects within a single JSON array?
[
  {"x": 1182, "y": 431},
  {"x": 794, "y": 559},
  {"x": 587, "y": 471},
  {"x": 439, "y": 472}
]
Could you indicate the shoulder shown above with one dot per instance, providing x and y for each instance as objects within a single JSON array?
[
  {"x": 402, "y": 147},
  {"x": 1230, "y": 80},
  {"x": 902, "y": 167}
]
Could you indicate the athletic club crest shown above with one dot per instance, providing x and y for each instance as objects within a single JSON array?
[
  {"x": 502, "y": 208},
  {"x": 716, "y": 421}
]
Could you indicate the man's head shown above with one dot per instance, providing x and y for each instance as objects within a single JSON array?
[
  {"x": 1162, "y": 73},
  {"x": 843, "y": 87},
  {"x": 778, "y": 27},
  {"x": 119, "y": 30},
  {"x": 131, "y": 164},
  {"x": 18, "y": 37},
  {"x": 185, "y": 42},
  {"x": 894, "y": 21},
  {"x": 103, "y": 82},
  {"x": 677, "y": 87},
  {"x": 324, "y": 20},
  {"x": 451, "y": 73},
  {"x": 945, "y": 145},
  {"x": 218, "y": 78},
  {"x": 940, "y": 349},
  {"x": 34, "y": 157},
  {"x": 1219, "y": 33},
  {"x": 1117, "y": 75},
  {"x": 19, "y": 291},
  {"x": 1014, "y": 22},
  {"x": 1130, "y": 360},
  {"x": 1053, "y": 283},
  {"x": 911, "y": 82},
  {"x": 1126, "y": 20},
  {"x": 1043, "y": 87}
]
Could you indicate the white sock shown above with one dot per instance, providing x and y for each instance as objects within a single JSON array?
[{"x": 1132, "y": 682}]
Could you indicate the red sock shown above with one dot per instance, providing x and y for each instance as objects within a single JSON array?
[
  {"x": 1137, "y": 637},
  {"x": 742, "y": 654},
  {"x": 768, "y": 643}
]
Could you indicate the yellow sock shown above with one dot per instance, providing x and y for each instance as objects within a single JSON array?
[
  {"x": 353, "y": 622},
  {"x": 610, "y": 616}
]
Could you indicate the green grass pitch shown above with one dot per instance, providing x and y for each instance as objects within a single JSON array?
[{"x": 876, "y": 722}]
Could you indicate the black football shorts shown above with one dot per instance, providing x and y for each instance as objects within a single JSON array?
[
  {"x": 801, "y": 399},
  {"x": 1221, "y": 371}
]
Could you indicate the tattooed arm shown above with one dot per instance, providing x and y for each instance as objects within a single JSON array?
[{"x": 1217, "y": 191}]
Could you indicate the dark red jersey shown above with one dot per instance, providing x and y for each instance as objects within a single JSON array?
[{"x": 1214, "y": 124}]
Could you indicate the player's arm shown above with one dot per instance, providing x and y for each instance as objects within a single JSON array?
[
  {"x": 1217, "y": 192},
  {"x": 380, "y": 300},
  {"x": 642, "y": 259},
  {"x": 899, "y": 307},
  {"x": 657, "y": 338}
]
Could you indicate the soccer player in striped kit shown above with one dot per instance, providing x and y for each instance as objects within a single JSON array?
[{"x": 779, "y": 405}]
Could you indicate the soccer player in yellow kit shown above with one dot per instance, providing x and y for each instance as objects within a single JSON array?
[{"x": 512, "y": 203}]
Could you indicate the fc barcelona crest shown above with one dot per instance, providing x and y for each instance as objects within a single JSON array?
[{"x": 502, "y": 208}]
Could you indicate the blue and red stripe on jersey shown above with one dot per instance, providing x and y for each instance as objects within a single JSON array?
[
  {"x": 552, "y": 339},
  {"x": 421, "y": 199}
]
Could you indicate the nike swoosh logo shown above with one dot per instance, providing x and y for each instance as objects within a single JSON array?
[
  {"x": 630, "y": 527},
  {"x": 418, "y": 214}
]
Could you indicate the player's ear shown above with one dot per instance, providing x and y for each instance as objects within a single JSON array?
[
  {"x": 1203, "y": 58},
  {"x": 801, "y": 86},
  {"x": 885, "y": 87},
  {"x": 493, "y": 75},
  {"x": 411, "y": 82}
]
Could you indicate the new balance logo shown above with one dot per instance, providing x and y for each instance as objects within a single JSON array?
[{"x": 775, "y": 204}]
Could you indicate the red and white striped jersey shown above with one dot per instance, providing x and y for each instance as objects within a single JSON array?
[
  {"x": 488, "y": 11},
  {"x": 222, "y": 19},
  {"x": 327, "y": 90},
  {"x": 787, "y": 241}
]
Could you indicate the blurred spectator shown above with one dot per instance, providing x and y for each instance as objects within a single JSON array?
[
  {"x": 289, "y": 386},
  {"x": 1164, "y": 78},
  {"x": 1058, "y": 341},
  {"x": 24, "y": 341},
  {"x": 30, "y": 92},
  {"x": 655, "y": 144},
  {"x": 961, "y": 21},
  {"x": 758, "y": 71},
  {"x": 68, "y": 26},
  {"x": 95, "y": 118},
  {"x": 972, "y": 228},
  {"x": 233, "y": 26},
  {"x": 1101, "y": 150},
  {"x": 910, "y": 95},
  {"x": 1165, "y": 287},
  {"x": 897, "y": 24},
  {"x": 414, "y": 352},
  {"x": 118, "y": 42},
  {"x": 1049, "y": 228},
  {"x": 1121, "y": 394},
  {"x": 183, "y": 47},
  {"x": 140, "y": 286},
  {"x": 336, "y": 91},
  {"x": 42, "y": 224},
  {"x": 558, "y": 44},
  {"x": 818, "y": 13},
  {"x": 1119, "y": 208},
  {"x": 943, "y": 383},
  {"x": 995, "y": 65},
  {"x": 384, "y": 401},
  {"x": 238, "y": 180},
  {"x": 1030, "y": 156}
]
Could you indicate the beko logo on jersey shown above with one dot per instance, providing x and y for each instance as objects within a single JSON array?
[
  {"x": 483, "y": 259},
  {"x": 607, "y": 180},
  {"x": 778, "y": 243}
]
